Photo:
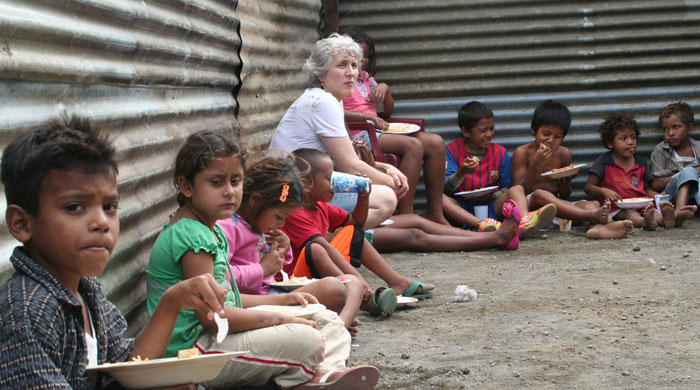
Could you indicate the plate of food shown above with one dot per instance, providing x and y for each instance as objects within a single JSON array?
[
  {"x": 294, "y": 283},
  {"x": 401, "y": 128},
  {"x": 402, "y": 301},
  {"x": 566, "y": 171},
  {"x": 633, "y": 203},
  {"x": 189, "y": 368},
  {"x": 477, "y": 193},
  {"x": 292, "y": 311}
]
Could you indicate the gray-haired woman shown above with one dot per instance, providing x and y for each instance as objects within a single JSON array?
[{"x": 316, "y": 120}]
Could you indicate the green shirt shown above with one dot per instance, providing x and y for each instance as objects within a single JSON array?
[{"x": 165, "y": 270}]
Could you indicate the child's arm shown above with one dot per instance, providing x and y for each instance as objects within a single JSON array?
[
  {"x": 239, "y": 320},
  {"x": 564, "y": 184},
  {"x": 201, "y": 293},
  {"x": 359, "y": 215},
  {"x": 381, "y": 93},
  {"x": 593, "y": 189},
  {"x": 355, "y": 116}
]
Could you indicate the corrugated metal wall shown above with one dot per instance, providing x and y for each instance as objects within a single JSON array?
[
  {"x": 594, "y": 56},
  {"x": 148, "y": 73},
  {"x": 277, "y": 37}
]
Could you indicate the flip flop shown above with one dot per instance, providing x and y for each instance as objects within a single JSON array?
[
  {"x": 488, "y": 225},
  {"x": 356, "y": 378},
  {"x": 411, "y": 290},
  {"x": 510, "y": 209},
  {"x": 383, "y": 302},
  {"x": 533, "y": 221}
]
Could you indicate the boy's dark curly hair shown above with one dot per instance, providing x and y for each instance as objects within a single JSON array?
[
  {"x": 552, "y": 113},
  {"x": 682, "y": 109},
  {"x": 65, "y": 144},
  {"x": 613, "y": 123},
  {"x": 471, "y": 113}
]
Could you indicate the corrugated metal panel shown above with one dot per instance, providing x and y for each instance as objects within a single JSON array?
[
  {"x": 595, "y": 56},
  {"x": 148, "y": 73},
  {"x": 277, "y": 37}
]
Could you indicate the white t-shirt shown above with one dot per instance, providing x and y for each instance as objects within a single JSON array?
[
  {"x": 314, "y": 114},
  {"x": 91, "y": 343}
]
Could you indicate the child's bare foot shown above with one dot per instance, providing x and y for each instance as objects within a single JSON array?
[
  {"x": 506, "y": 232},
  {"x": 685, "y": 212},
  {"x": 602, "y": 215},
  {"x": 668, "y": 214},
  {"x": 440, "y": 218},
  {"x": 612, "y": 230},
  {"x": 649, "y": 213},
  {"x": 354, "y": 328}
]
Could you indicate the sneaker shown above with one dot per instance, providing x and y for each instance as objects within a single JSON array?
[
  {"x": 488, "y": 225},
  {"x": 533, "y": 221}
]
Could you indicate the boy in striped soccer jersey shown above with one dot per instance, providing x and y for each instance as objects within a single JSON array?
[{"x": 474, "y": 162}]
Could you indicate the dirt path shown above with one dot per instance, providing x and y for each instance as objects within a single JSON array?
[{"x": 560, "y": 312}]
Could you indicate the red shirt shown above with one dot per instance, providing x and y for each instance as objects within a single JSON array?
[
  {"x": 303, "y": 225},
  {"x": 628, "y": 184}
]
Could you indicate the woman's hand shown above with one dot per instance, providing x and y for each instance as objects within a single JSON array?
[
  {"x": 400, "y": 180},
  {"x": 379, "y": 93}
]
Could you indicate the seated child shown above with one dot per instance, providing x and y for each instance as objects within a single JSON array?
[
  {"x": 474, "y": 162},
  {"x": 61, "y": 187},
  {"x": 258, "y": 249},
  {"x": 676, "y": 160},
  {"x": 550, "y": 124},
  {"x": 209, "y": 177},
  {"x": 621, "y": 173},
  {"x": 314, "y": 256},
  {"x": 415, "y": 149}
]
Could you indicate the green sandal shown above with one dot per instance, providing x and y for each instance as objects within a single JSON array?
[
  {"x": 383, "y": 302},
  {"x": 411, "y": 290}
]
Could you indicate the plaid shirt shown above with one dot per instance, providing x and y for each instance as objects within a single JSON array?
[{"x": 42, "y": 339}]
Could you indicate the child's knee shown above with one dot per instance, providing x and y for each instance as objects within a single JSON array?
[
  {"x": 317, "y": 251},
  {"x": 516, "y": 190},
  {"x": 334, "y": 289},
  {"x": 303, "y": 339},
  {"x": 539, "y": 196},
  {"x": 413, "y": 146}
]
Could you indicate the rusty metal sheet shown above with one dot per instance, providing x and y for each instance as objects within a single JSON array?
[
  {"x": 277, "y": 37},
  {"x": 596, "y": 57},
  {"x": 147, "y": 73}
]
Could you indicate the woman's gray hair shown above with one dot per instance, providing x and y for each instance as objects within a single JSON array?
[{"x": 320, "y": 59}]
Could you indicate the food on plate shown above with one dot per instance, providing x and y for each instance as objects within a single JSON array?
[
  {"x": 137, "y": 359},
  {"x": 297, "y": 280},
  {"x": 635, "y": 200},
  {"x": 187, "y": 353},
  {"x": 399, "y": 128},
  {"x": 566, "y": 168}
]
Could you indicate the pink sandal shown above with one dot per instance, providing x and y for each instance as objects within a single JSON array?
[{"x": 510, "y": 209}]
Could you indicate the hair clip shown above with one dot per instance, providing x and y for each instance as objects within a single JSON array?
[{"x": 285, "y": 192}]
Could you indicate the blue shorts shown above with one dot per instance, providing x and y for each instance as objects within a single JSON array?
[
  {"x": 345, "y": 200},
  {"x": 688, "y": 174}
]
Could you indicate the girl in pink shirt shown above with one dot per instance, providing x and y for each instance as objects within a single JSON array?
[{"x": 258, "y": 250}]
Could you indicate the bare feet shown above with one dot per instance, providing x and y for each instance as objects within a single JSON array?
[
  {"x": 602, "y": 215},
  {"x": 668, "y": 214},
  {"x": 612, "y": 230},
  {"x": 649, "y": 213},
  {"x": 440, "y": 218},
  {"x": 354, "y": 328},
  {"x": 685, "y": 212},
  {"x": 507, "y": 231}
]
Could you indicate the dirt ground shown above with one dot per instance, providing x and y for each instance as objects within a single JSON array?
[{"x": 561, "y": 312}]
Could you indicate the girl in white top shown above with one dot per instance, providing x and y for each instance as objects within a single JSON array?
[{"x": 316, "y": 120}]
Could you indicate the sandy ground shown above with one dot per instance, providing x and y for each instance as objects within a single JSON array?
[{"x": 561, "y": 312}]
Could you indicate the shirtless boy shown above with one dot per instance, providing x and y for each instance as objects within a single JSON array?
[{"x": 550, "y": 124}]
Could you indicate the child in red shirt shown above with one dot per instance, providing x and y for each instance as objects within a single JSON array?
[{"x": 621, "y": 173}]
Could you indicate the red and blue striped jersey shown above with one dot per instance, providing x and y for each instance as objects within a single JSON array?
[{"x": 494, "y": 169}]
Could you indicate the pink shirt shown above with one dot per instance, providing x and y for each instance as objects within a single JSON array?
[
  {"x": 245, "y": 249},
  {"x": 359, "y": 101}
]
